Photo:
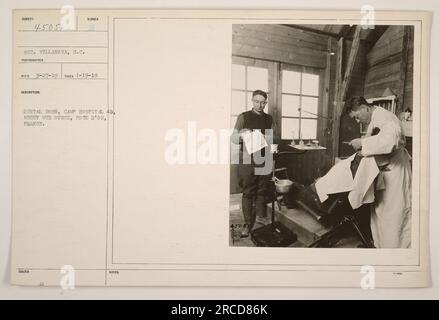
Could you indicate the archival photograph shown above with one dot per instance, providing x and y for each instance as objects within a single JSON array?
[
  {"x": 321, "y": 151},
  {"x": 169, "y": 148}
]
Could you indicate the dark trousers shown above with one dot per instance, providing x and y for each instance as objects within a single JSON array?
[{"x": 254, "y": 192}]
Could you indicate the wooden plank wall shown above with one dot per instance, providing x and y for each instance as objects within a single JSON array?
[
  {"x": 408, "y": 93},
  {"x": 349, "y": 128},
  {"x": 356, "y": 85},
  {"x": 384, "y": 66},
  {"x": 325, "y": 136},
  {"x": 280, "y": 43}
]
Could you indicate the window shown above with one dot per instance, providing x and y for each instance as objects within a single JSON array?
[
  {"x": 300, "y": 101},
  {"x": 246, "y": 79}
]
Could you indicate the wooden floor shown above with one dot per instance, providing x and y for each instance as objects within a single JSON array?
[{"x": 300, "y": 222}]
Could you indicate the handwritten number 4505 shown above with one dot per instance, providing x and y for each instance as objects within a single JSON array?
[{"x": 47, "y": 27}]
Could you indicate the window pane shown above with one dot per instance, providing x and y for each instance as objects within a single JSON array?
[
  {"x": 290, "y": 105},
  {"x": 233, "y": 121},
  {"x": 257, "y": 78},
  {"x": 249, "y": 101},
  {"x": 238, "y": 76},
  {"x": 290, "y": 81},
  {"x": 310, "y": 84},
  {"x": 290, "y": 128},
  {"x": 308, "y": 129},
  {"x": 311, "y": 105},
  {"x": 238, "y": 102}
]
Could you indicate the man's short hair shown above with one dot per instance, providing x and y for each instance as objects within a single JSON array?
[
  {"x": 259, "y": 93},
  {"x": 354, "y": 103}
]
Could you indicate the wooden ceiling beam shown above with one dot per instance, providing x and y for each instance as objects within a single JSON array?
[
  {"x": 316, "y": 31},
  {"x": 374, "y": 35},
  {"x": 342, "y": 85}
]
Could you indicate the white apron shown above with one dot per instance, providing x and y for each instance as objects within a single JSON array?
[{"x": 391, "y": 214}]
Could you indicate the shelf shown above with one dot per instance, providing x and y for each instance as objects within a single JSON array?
[{"x": 299, "y": 147}]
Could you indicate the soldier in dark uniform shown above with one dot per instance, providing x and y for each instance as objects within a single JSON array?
[{"x": 254, "y": 185}]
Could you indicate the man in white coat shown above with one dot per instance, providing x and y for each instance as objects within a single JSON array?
[{"x": 391, "y": 212}]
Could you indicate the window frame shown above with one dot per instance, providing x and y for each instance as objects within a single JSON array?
[
  {"x": 258, "y": 63},
  {"x": 280, "y": 93},
  {"x": 274, "y": 107}
]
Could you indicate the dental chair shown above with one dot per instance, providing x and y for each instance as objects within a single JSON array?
[{"x": 335, "y": 213}]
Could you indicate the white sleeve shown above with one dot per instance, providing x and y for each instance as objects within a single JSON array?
[{"x": 384, "y": 142}]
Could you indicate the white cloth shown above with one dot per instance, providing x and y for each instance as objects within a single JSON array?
[
  {"x": 361, "y": 188},
  {"x": 391, "y": 214},
  {"x": 368, "y": 179},
  {"x": 338, "y": 179}
]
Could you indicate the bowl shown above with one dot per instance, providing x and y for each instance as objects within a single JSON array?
[{"x": 283, "y": 185}]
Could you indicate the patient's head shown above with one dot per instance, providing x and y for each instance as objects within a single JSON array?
[{"x": 358, "y": 108}]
